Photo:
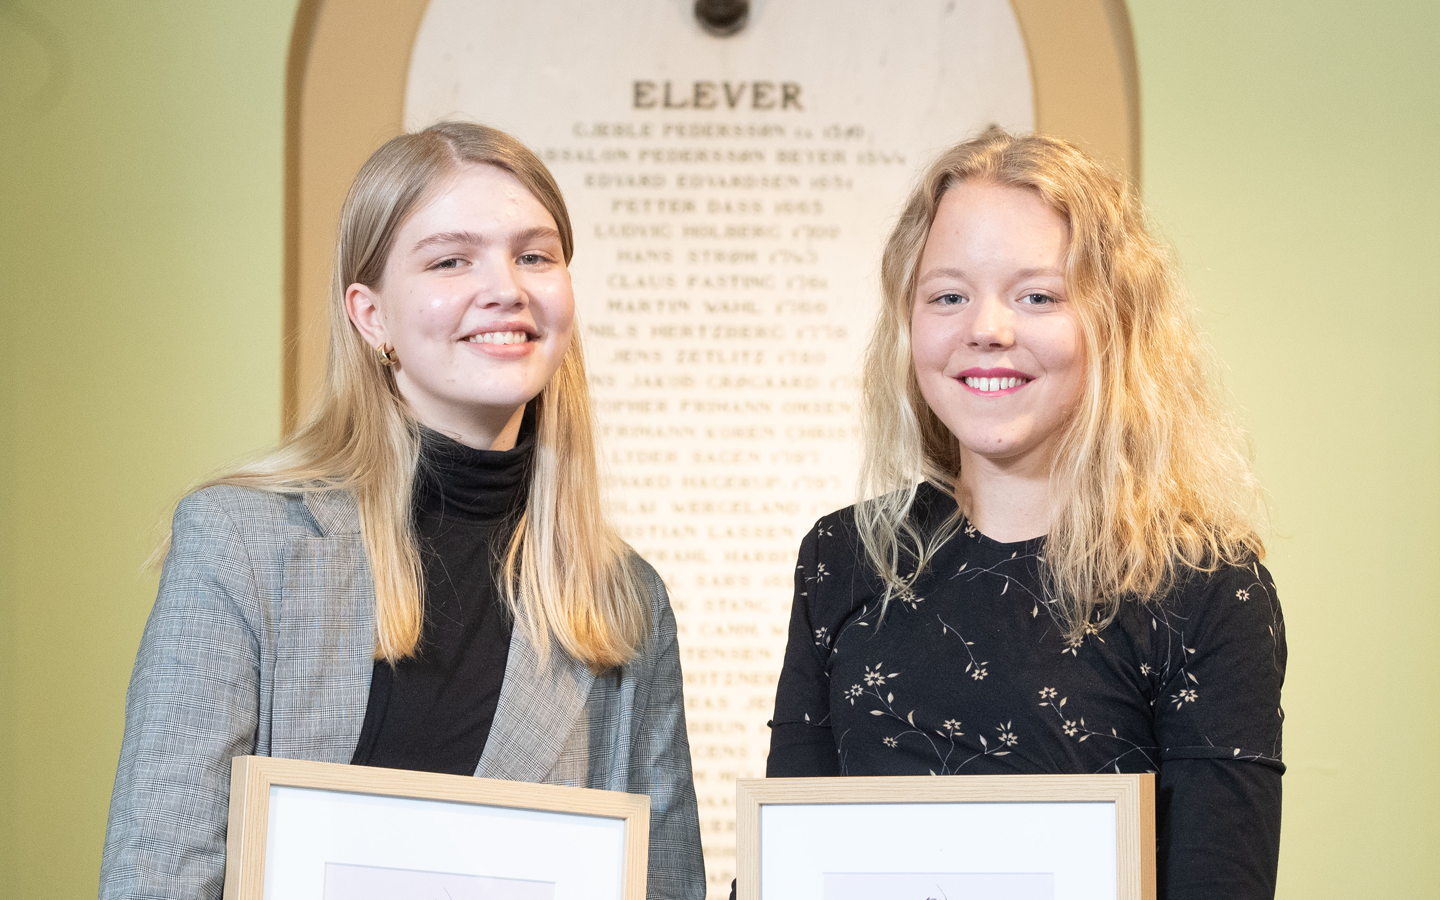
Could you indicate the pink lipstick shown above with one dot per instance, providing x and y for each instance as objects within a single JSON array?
[{"x": 993, "y": 382}]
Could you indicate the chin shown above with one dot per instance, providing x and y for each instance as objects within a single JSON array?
[
  {"x": 509, "y": 395},
  {"x": 996, "y": 448}
]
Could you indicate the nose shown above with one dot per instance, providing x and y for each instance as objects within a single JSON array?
[
  {"x": 992, "y": 325},
  {"x": 500, "y": 285}
]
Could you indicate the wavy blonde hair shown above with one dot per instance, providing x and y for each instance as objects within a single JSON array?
[
  {"x": 1151, "y": 477},
  {"x": 565, "y": 572}
]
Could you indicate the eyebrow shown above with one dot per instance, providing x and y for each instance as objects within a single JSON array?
[
  {"x": 1031, "y": 273},
  {"x": 470, "y": 238},
  {"x": 948, "y": 272},
  {"x": 447, "y": 237}
]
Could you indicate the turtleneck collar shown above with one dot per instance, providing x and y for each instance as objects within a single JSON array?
[{"x": 456, "y": 481}]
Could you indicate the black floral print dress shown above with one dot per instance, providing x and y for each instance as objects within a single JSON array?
[{"x": 969, "y": 674}]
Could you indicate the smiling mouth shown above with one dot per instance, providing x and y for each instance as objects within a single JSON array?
[
  {"x": 500, "y": 337},
  {"x": 990, "y": 385}
]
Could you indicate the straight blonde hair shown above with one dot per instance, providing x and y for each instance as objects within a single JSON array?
[
  {"x": 1151, "y": 478},
  {"x": 565, "y": 572}
]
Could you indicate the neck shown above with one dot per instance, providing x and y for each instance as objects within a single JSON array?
[
  {"x": 480, "y": 432},
  {"x": 1008, "y": 500}
]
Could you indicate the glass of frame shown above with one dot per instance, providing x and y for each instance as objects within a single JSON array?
[
  {"x": 302, "y": 830},
  {"x": 978, "y": 837}
]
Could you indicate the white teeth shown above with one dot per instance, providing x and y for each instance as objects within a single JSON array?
[
  {"x": 499, "y": 337},
  {"x": 991, "y": 385}
]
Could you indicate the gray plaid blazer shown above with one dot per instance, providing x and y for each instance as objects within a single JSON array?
[{"x": 261, "y": 641}]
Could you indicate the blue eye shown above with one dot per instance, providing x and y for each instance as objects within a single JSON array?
[
  {"x": 949, "y": 299},
  {"x": 452, "y": 262},
  {"x": 1038, "y": 299}
]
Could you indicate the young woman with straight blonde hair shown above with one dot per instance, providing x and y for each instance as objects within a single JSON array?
[
  {"x": 1054, "y": 565},
  {"x": 423, "y": 575}
]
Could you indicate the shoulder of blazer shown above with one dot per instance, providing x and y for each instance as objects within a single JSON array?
[
  {"x": 270, "y": 514},
  {"x": 654, "y": 586},
  {"x": 299, "y": 548}
]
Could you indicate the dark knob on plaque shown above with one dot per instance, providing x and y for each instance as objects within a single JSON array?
[{"x": 722, "y": 18}]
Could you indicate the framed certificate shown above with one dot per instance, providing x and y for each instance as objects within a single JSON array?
[
  {"x": 978, "y": 837},
  {"x": 303, "y": 830}
]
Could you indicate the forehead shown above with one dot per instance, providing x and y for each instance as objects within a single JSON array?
[
  {"x": 1003, "y": 207},
  {"x": 476, "y": 197},
  {"x": 994, "y": 224}
]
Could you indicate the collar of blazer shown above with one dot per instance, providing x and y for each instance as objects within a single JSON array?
[
  {"x": 334, "y": 512},
  {"x": 541, "y": 704}
]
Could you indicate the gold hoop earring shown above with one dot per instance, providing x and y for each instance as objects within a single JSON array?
[{"x": 387, "y": 356}]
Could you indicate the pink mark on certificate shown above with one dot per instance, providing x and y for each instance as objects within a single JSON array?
[
  {"x": 938, "y": 886},
  {"x": 347, "y": 882}
]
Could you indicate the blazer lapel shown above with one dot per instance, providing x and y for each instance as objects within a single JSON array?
[
  {"x": 325, "y": 663},
  {"x": 537, "y": 711},
  {"x": 325, "y": 646}
]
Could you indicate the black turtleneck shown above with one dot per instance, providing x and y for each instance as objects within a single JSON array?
[{"x": 433, "y": 711}]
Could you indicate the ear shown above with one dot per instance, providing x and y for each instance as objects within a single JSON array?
[{"x": 360, "y": 306}]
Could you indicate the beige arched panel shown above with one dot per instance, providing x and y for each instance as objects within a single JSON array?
[
  {"x": 1086, "y": 83},
  {"x": 345, "y": 96}
]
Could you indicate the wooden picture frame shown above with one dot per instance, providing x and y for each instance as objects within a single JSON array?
[
  {"x": 793, "y": 832},
  {"x": 296, "y": 825}
]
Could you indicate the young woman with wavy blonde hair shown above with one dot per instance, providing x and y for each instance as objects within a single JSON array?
[
  {"x": 1054, "y": 564},
  {"x": 423, "y": 575}
]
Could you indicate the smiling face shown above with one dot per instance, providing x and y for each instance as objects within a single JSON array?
[
  {"x": 477, "y": 304},
  {"x": 997, "y": 347}
]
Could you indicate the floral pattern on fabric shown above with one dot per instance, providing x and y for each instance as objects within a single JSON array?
[{"x": 967, "y": 670}]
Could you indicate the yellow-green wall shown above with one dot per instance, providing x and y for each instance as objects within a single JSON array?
[
  {"x": 1289, "y": 153},
  {"x": 140, "y": 259}
]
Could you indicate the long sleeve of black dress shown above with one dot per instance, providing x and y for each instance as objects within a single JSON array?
[{"x": 969, "y": 674}]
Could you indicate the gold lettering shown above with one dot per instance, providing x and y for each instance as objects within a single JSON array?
[
  {"x": 644, "y": 95},
  {"x": 760, "y": 95},
  {"x": 705, "y": 95},
  {"x": 671, "y": 104}
]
